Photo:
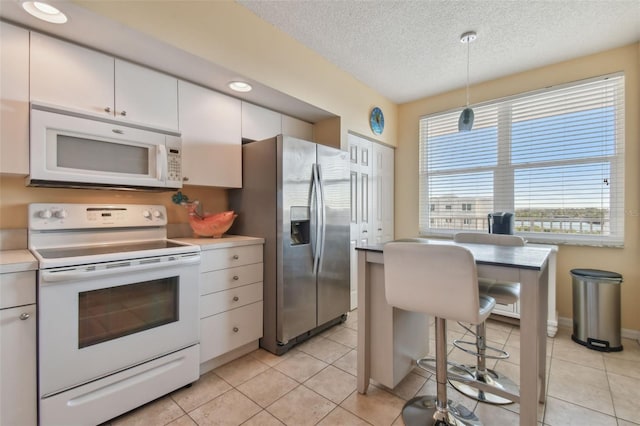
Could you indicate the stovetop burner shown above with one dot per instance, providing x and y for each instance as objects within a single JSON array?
[{"x": 65, "y": 252}]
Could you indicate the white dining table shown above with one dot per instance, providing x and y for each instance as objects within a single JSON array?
[{"x": 526, "y": 265}]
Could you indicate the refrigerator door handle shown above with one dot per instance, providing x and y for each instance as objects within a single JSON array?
[
  {"x": 323, "y": 215},
  {"x": 315, "y": 199}
]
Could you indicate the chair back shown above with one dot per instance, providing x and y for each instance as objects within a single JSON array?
[
  {"x": 437, "y": 279},
  {"x": 494, "y": 239}
]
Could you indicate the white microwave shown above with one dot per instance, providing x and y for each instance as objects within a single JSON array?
[{"x": 75, "y": 149}]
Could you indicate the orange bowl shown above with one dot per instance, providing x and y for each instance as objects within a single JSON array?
[{"x": 212, "y": 225}]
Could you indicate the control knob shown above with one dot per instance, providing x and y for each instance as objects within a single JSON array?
[
  {"x": 45, "y": 214},
  {"x": 60, "y": 214},
  {"x": 157, "y": 214},
  {"x": 146, "y": 214}
]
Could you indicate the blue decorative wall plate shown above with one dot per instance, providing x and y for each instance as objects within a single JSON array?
[{"x": 376, "y": 121}]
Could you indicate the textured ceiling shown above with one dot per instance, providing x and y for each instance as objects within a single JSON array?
[{"x": 407, "y": 50}]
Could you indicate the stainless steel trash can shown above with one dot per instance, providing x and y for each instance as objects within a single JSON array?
[{"x": 596, "y": 309}]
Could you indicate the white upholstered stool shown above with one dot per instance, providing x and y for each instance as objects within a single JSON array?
[
  {"x": 505, "y": 293},
  {"x": 439, "y": 280}
]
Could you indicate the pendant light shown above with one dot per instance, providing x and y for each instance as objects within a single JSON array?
[{"x": 465, "y": 122}]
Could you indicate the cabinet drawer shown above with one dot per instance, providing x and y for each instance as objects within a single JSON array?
[
  {"x": 225, "y": 279},
  {"x": 224, "y": 332},
  {"x": 221, "y": 301},
  {"x": 17, "y": 288},
  {"x": 212, "y": 260}
]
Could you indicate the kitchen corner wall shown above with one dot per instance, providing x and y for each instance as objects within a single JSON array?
[
  {"x": 15, "y": 197},
  {"x": 625, "y": 260}
]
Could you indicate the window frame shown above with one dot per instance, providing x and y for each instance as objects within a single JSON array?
[{"x": 504, "y": 171}]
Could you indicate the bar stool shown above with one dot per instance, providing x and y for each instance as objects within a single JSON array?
[
  {"x": 439, "y": 280},
  {"x": 504, "y": 293}
]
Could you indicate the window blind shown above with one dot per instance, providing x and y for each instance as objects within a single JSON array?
[{"x": 555, "y": 157}]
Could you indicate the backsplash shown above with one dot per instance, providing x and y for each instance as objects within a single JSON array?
[
  {"x": 13, "y": 239},
  {"x": 16, "y": 197}
]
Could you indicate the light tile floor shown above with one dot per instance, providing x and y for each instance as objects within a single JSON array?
[{"x": 315, "y": 384}]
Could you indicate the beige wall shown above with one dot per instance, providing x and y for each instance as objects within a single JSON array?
[
  {"x": 624, "y": 261},
  {"x": 231, "y": 36}
]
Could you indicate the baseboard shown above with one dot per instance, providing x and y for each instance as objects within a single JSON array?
[
  {"x": 625, "y": 333},
  {"x": 214, "y": 363}
]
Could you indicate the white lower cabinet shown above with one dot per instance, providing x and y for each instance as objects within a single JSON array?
[
  {"x": 231, "y": 274},
  {"x": 18, "y": 348}
]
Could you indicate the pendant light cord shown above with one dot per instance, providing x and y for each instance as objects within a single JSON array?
[{"x": 468, "y": 49}]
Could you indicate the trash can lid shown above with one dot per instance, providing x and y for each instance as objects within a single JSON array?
[{"x": 596, "y": 273}]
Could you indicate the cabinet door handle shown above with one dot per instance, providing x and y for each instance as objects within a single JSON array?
[
  {"x": 123, "y": 113},
  {"x": 236, "y": 298},
  {"x": 107, "y": 109},
  {"x": 236, "y": 329},
  {"x": 236, "y": 278},
  {"x": 24, "y": 316},
  {"x": 236, "y": 257}
]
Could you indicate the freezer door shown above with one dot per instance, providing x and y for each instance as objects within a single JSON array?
[
  {"x": 296, "y": 283},
  {"x": 333, "y": 272}
]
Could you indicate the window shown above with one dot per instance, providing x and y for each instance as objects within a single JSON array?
[{"x": 555, "y": 157}]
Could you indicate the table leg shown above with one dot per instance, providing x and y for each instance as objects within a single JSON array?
[
  {"x": 543, "y": 295},
  {"x": 363, "y": 361},
  {"x": 531, "y": 337}
]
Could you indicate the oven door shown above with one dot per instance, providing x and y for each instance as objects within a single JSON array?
[{"x": 95, "y": 320}]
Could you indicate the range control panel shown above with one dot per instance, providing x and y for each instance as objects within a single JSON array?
[{"x": 49, "y": 216}]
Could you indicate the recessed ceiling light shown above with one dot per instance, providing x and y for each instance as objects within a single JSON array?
[
  {"x": 240, "y": 86},
  {"x": 44, "y": 11}
]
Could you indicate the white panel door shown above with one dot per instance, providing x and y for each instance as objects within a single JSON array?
[
  {"x": 360, "y": 155},
  {"x": 71, "y": 76},
  {"x": 210, "y": 124},
  {"x": 382, "y": 192},
  {"x": 145, "y": 96},
  {"x": 14, "y": 99}
]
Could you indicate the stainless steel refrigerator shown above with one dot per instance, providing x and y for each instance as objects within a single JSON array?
[{"x": 295, "y": 194}]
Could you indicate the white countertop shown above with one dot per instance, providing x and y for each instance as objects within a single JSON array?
[
  {"x": 17, "y": 261},
  {"x": 224, "y": 242}
]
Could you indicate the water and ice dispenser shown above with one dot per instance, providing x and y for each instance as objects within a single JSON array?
[{"x": 300, "y": 225}]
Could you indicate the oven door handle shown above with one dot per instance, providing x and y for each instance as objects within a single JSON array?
[{"x": 117, "y": 268}]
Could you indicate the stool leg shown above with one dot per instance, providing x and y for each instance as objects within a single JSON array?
[
  {"x": 438, "y": 410},
  {"x": 482, "y": 374}
]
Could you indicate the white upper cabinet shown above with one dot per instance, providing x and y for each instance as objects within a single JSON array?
[
  {"x": 297, "y": 128},
  {"x": 14, "y": 99},
  {"x": 72, "y": 76},
  {"x": 82, "y": 79},
  {"x": 145, "y": 96},
  {"x": 259, "y": 123},
  {"x": 210, "y": 124}
]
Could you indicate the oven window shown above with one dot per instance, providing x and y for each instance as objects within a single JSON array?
[
  {"x": 90, "y": 154},
  {"x": 113, "y": 312}
]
